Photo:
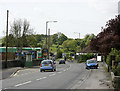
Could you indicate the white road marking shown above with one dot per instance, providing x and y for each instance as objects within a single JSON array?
[
  {"x": 23, "y": 83},
  {"x": 44, "y": 77},
  {"x": 52, "y": 75},
  {"x": 41, "y": 78},
  {"x": 15, "y": 74},
  {"x": 38, "y": 79},
  {"x": 64, "y": 70}
]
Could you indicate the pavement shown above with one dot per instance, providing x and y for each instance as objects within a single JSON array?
[
  {"x": 9, "y": 72},
  {"x": 6, "y": 73}
]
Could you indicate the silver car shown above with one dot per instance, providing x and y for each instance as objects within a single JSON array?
[{"x": 47, "y": 65}]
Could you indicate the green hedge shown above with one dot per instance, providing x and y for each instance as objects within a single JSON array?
[
  {"x": 116, "y": 68},
  {"x": 84, "y": 57}
]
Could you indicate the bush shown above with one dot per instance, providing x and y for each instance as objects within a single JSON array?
[
  {"x": 116, "y": 70},
  {"x": 109, "y": 60},
  {"x": 59, "y": 54},
  {"x": 84, "y": 57}
]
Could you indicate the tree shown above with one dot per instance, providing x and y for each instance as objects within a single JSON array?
[
  {"x": 62, "y": 38},
  {"x": 54, "y": 38},
  {"x": 108, "y": 38},
  {"x": 31, "y": 40},
  {"x": 20, "y": 30},
  {"x": 70, "y": 45},
  {"x": 59, "y": 54}
]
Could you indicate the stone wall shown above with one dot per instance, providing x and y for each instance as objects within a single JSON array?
[{"x": 115, "y": 81}]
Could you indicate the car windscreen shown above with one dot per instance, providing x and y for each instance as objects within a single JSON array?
[
  {"x": 91, "y": 61},
  {"x": 46, "y": 62}
]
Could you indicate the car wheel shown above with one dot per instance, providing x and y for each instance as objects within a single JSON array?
[
  {"x": 54, "y": 69},
  {"x": 40, "y": 70}
]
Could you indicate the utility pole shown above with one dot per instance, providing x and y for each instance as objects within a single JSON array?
[
  {"x": 78, "y": 33},
  {"x": 6, "y": 39},
  {"x": 47, "y": 36},
  {"x": 48, "y": 41}
]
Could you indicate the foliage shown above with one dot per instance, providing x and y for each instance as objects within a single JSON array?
[
  {"x": 108, "y": 60},
  {"x": 116, "y": 70},
  {"x": 113, "y": 52},
  {"x": 116, "y": 53},
  {"x": 84, "y": 57},
  {"x": 62, "y": 38},
  {"x": 108, "y": 38},
  {"x": 32, "y": 41},
  {"x": 69, "y": 45},
  {"x": 18, "y": 32},
  {"x": 54, "y": 38},
  {"x": 59, "y": 54}
]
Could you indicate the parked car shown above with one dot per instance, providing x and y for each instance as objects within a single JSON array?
[
  {"x": 47, "y": 65},
  {"x": 61, "y": 61},
  {"x": 91, "y": 63}
]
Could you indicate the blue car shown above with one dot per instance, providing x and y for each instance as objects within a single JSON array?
[
  {"x": 91, "y": 63},
  {"x": 47, "y": 65}
]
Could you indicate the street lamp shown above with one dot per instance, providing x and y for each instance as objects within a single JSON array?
[
  {"x": 46, "y": 31},
  {"x": 78, "y": 33}
]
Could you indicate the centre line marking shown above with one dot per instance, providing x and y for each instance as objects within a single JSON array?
[
  {"x": 41, "y": 78},
  {"x": 44, "y": 77},
  {"x": 23, "y": 83},
  {"x": 52, "y": 75}
]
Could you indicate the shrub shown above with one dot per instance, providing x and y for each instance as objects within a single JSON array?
[
  {"x": 59, "y": 54},
  {"x": 84, "y": 57},
  {"x": 108, "y": 60},
  {"x": 116, "y": 70}
]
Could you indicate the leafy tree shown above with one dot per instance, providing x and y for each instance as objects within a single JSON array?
[
  {"x": 108, "y": 38},
  {"x": 32, "y": 41},
  {"x": 11, "y": 40},
  {"x": 62, "y": 38},
  {"x": 40, "y": 37},
  {"x": 59, "y": 54},
  {"x": 20, "y": 30},
  {"x": 54, "y": 38},
  {"x": 70, "y": 45}
]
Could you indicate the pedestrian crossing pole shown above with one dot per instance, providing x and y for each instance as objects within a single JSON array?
[{"x": 6, "y": 39}]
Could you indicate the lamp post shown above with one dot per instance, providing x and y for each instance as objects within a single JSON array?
[
  {"x": 78, "y": 33},
  {"x": 46, "y": 32}
]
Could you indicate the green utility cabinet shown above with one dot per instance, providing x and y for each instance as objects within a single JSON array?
[{"x": 28, "y": 62}]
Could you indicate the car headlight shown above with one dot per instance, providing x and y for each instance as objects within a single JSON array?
[{"x": 88, "y": 64}]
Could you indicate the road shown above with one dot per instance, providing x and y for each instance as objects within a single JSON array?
[{"x": 67, "y": 76}]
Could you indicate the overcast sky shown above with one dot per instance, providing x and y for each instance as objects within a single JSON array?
[{"x": 80, "y": 16}]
